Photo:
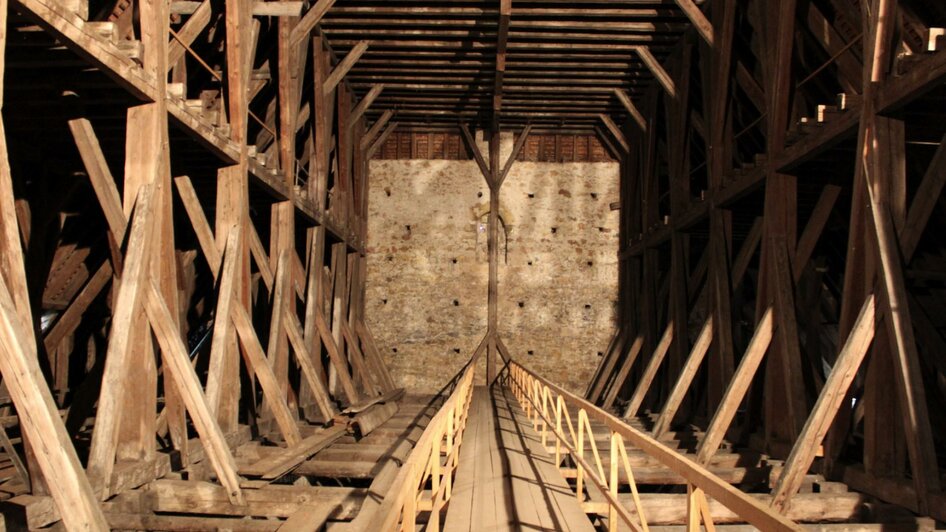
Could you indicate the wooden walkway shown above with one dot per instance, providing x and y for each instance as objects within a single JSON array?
[{"x": 506, "y": 480}]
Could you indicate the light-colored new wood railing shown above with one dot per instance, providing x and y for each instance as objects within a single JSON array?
[
  {"x": 547, "y": 405},
  {"x": 434, "y": 459}
]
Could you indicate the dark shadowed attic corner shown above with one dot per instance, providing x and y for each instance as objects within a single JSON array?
[{"x": 478, "y": 265}]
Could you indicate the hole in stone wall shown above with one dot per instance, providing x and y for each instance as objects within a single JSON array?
[
  {"x": 602, "y": 229},
  {"x": 531, "y": 352},
  {"x": 394, "y": 350},
  {"x": 456, "y": 303},
  {"x": 390, "y": 258},
  {"x": 587, "y": 307},
  {"x": 384, "y": 301},
  {"x": 521, "y": 304},
  {"x": 554, "y": 230},
  {"x": 479, "y": 194},
  {"x": 408, "y": 227},
  {"x": 456, "y": 350},
  {"x": 454, "y": 260},
  {"x": 387, "y": 192},
  {"x": 594, "y": 195},
  {"x": 591, "y": 263},
  {"x": 530, "y": 263},
  {"x": 600, "y": 353},
  {"x": 531, "y": 195}
]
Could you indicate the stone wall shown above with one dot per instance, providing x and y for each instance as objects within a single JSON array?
[{"x": 427, "y": 266}]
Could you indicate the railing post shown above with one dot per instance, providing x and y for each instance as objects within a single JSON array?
[
  {"x": 579, "y": 476},
  {"x": 693, "y": 511},
  {"x": 410, "y": 505},
  {"x": 559, "y": 404},
  {"x": 612, "y": 511},
  {"x": 435, "y": 472},
  {"x": 448, "y": 478}
]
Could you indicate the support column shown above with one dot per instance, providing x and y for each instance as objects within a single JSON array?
[{"x": 492, "y": 246}]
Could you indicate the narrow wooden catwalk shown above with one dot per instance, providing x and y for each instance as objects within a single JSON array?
[{"x": 506, "y": 479}]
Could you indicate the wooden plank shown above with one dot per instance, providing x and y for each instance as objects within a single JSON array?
[
  {"x": 628, "y": 104},
  {"x": 376, "y": 128},
  {"x": 603, "y": 371},
  {"x": 310, "y": 371},
  {"x": 909, "y": 374},
  {"x": 272, "y": 501},
  {"x": 321, "y": 126},
  {"x": 658, "y": 71},
  {"x": 675, "y": 399},
  {"x": 341, "y": 70},
  {"x": 314, "y": 296},
  {"x": 829, "y": 402},
  {"x": 516, "y": 149},
  {"x": 307, "y": 519},
  {"x": 357, "y": 360},
  {"x": 188, "y": 33},
  {"x": 179, "y": 364},
  {"x": 199, "y": 223},
  {"x": 338, "y": 361},
  {"x": 256, "y": 361},
  {"x": 650, "y": 373},
  {"x": 220, "y": 346},
  {"x": 260, "y": 257},
  {"x": 371, "y": 350},
  {"x": 277, "y": 355},
  {"x": 721, "y": 365},
  {"x": 118, "y": 358},
  {"x": 615, "y": 131},
  {"x": 622, "y": 373},
  {"x": 364, "y": 104},
  {"x": 698, "y": 19},
  {"x": 794, "y": 403},
  {"x": 180, "y": 523},
  {"x": 68, "y": 321},
  {"x": 101, "y": 177},
  {"x": 279, "y": 463},
  {"x": 309, "y": 21},
  {"x": 380, "y": 142},
  {"x": 502, "y": 40},
  {"x": 737, "y": 388},
  {"x": 477, "y": 154},
  {"x": 232, "y": 214},
  {"x": 611, "y": 358}
]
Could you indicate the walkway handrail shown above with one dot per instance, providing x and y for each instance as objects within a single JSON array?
[
  {"x": 407, "y": 496},
  {"x": 547, "y": 403}
]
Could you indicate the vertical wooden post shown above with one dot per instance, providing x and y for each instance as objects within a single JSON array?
[
  {"x": 231, "y": 212},
  {"x": 780, "y": 218},
  {"x": 321, "y": 125},
  {"x": 492, "y": 246},
  {"x": 720, "y": 366}
]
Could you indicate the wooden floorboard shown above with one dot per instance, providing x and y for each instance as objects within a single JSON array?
[{"x": 506, "y": 480}]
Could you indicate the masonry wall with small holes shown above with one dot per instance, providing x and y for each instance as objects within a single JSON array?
[{"x": 427, "y": 266}]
